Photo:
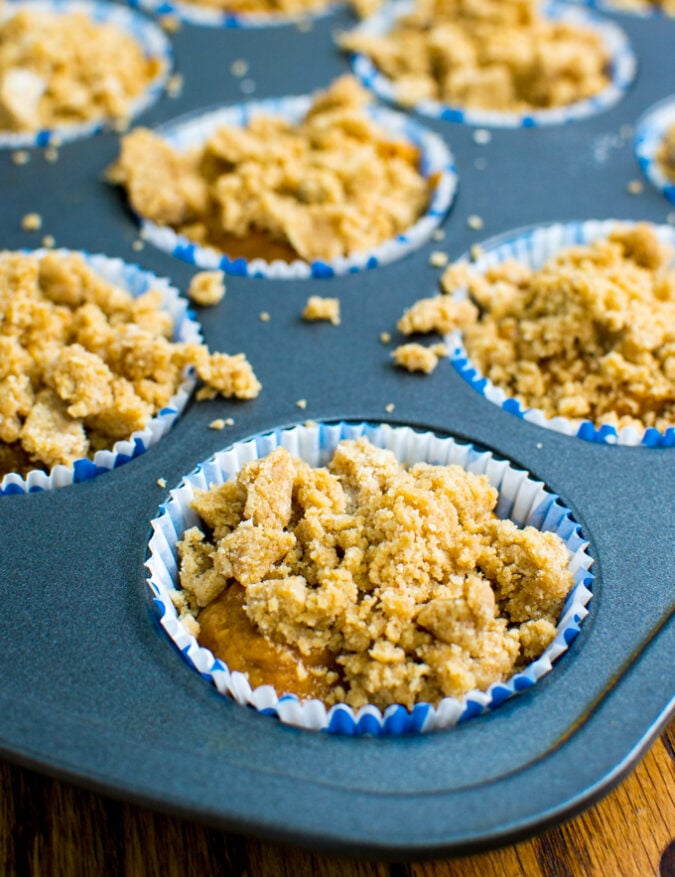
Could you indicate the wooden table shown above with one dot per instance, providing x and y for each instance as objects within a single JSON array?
[{"x": 51, "y": 828}]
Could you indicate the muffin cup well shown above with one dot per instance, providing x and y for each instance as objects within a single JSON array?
[
  {"x": 146, "y": 33},
  {"x": 534, "y": 247},
  {"x": 521, "y": 499},
  {"x": 435, "y": 161},
  {"x": 649, "y": 134},
  {"x": 623, "y": 67},
  {"x": 136, "y": 281}
]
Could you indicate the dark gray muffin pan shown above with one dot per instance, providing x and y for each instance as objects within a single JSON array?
[{"x": 90, "y": 688}]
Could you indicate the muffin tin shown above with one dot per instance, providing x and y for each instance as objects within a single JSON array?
[{"x": 92, "y": 690}]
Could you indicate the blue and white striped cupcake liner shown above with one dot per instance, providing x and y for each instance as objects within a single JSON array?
[
  {"x": 646, "y": 11},
  {"x": 521, "y": 498},
  {"x": 147, "y": 34},
  {"x": 650, "y": 131},
  {"x": 435, "y": 161},
  {"x": 534, "y": 247},
  {"x": 136, "y": 281},
  {"x": 208, "y": 16},
  {"x": 622, "y": 71}
]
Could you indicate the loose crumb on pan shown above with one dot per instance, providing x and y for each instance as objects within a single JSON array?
[
  {"x": 20, "y": 157},
  {"x": 475, "y": 222},
  {"x": 239, "y": 68},
  {"x": 385, "y": 337},
  {"x": 31, "y": 222},
  {"x": 48, "y": 241},
  {"x": 665, "y": 154},
  {"x": 174, "y": 85},
  {"x": 322, "y": 308},
  {"x": 389, "y": 407},
  {"x": 489, "y": 55},
  {"x": 438, "y": 259},
  {"x": 635, "y": 187},
  {"x": 207, "y": 288},
  {"x": 264, "y": 316},
  {"x": 333, "y": 184},
  {"x": 62, "y": 68},
  {"x": 301, "y": 403},
  {"x": 437, "y": 234},
  {"x": 589, "y": 335},
  {"x": 217, "y": 424},
  {"x": 161, "y": 482},
  {"x": 51, "y": 154},
  {"x": 367, "y": 581},
  {"x": 83, "y": 363},
  {"x": 415, "y": 357}
]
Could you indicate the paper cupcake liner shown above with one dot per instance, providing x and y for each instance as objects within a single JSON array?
[
  {"x": 436, "y": 160},
  {"x": 206, "y": 16},
  {"x": 151, "y": 38},
  {"x": 521, "y": 498},
  {"x": 618, "y": 9},
  {"x": 623, "y": 67},
  {"x": 136, "y": 281},
  {"x": 650, "y": 131},
  {"x": 534, "y": 247}
]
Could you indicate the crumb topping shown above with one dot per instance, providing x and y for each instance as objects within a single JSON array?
[
  {"x": 500, "y": 55},
  {"x": 416, "y": 357},
  {"x": 83, "y": 363},
  {"x": 367, "y": 581},
  {"x": 65, "y": 68},
  {"x": 331, "y": 185}
]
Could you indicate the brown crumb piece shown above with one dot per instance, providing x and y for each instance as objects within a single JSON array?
[
  {"x": 320, "y": 308},
  {"x": 635, "y": 187},
  {"x": 590, "y": 335},
  {"x": 491, "y": 55},
  {"x": 207, "y": 288},
  {"x": 218, "y": 424},
  {"x": 83, "y": 363},
  {"x": 61, "y": 68},
  {"x": 438, "y": 259},
  {"x": 440, "y": 314},
  {"x": 331, "y": 185},
  {"x": 31, "y": 222},
  {"x": 368, "y": 581},
  {"x": 417, "y": 358}
]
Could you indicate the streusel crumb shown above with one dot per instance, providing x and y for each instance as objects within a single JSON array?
[
  {"x": 207, "y": 288},
  {"x": 321, "y": 308}
]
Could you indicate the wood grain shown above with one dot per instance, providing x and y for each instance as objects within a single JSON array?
[{"x": 52, "y": 828}]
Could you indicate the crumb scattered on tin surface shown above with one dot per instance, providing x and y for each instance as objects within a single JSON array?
[
  {"x": 207, "y": 288},
  {"x": 438, "y": 259},
  {"x": 475, "y": 222},
  {"x": 21, "y": 156},
  {"x": 415, "y": 357},
  {"x": 389, "y": 407},
  {"x": 264, "y": 316},
  {"x": 218, "y": 424},
  {"x": 322, "y": 308},
  {"x": 239, "y": 67},
  {"x": 385, "y": 337},
  {"x": 635, "y": 187},
  {"x": 48, "y": 241},
  {"x": 31, "y": 222},
  {"x": 302, "y": 404},
  {"x": 161, "y": 482}
]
